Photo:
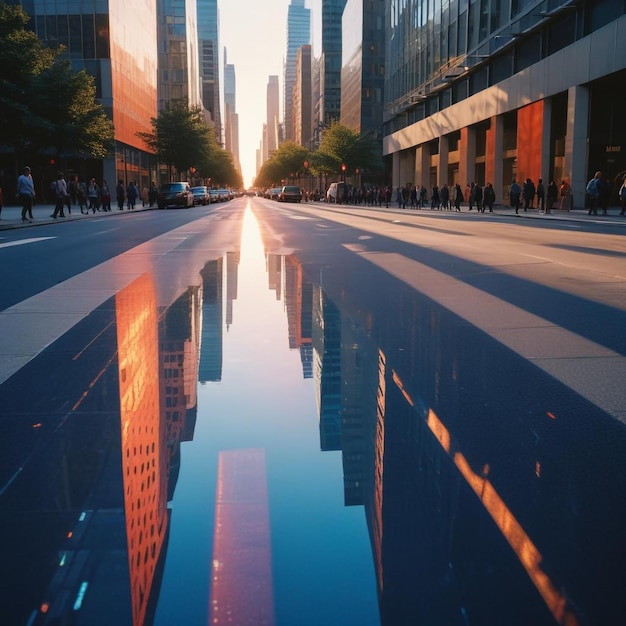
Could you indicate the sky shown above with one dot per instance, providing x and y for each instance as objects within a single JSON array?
[{"x": 254, "y": 34}]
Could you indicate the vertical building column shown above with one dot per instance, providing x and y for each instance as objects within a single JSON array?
[
  {"x": 467, "y": 156},
  {"x": 576, "y": 148},
  {"x": 396, "y": 173},
  {"x": 442, "y": 168},
  {"x": 494, "y": 171},
  {"x": 546, "y": 142},
  {"x": 422, "y": 165}
]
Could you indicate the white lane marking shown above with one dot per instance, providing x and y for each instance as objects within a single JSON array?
[{"x": 8, "y": 244}]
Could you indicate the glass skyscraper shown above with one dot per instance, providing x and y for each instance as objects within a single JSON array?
[
  {"x": 208, "y": 42},
  {"x": 330, "y": 88},
  {"x": 298, "y": 34},
  {"x": 491, "y": 90}
]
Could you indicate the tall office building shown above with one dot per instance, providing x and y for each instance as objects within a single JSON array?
[
  {"x": 273, "y": 114},
  {"x": 528, "y": 91},
  {"x": 298, "y": 34},
  {"x": 330, "y": 71},
  {"x": 231, "y": 119},
  {"x": 301, "y": 113},
  {"x": 362, "y": 72},
  {"x": 123, "y": 62},
  {"x": 208, "y": 42},
  {"x": 178, "y": 52}
]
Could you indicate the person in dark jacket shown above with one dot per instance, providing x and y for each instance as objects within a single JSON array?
[
  {"x": 552, "y": 195},
  {"x": 458, "y": 197},
  {"x": 529, "y": 194},
  {"x": 489, "y": 197}
]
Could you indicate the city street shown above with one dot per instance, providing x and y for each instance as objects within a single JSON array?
[{"x": 378, "y": 416}]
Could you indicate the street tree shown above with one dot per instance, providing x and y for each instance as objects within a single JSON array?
[
  {"x": 44, "y": 104},
  {"x": 287, "y": 161}
]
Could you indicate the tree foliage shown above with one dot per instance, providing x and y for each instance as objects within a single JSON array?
[
  {"x": 181, "y": 138},
  {"x": 340, "y": 145},
  {"x": 288, "y": 161},
  {"x": 44, "y": 104}
]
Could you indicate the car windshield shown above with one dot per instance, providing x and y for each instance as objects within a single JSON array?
[
  {"x": 173, "y": 187},
  {"x": 292, "y": 189}
]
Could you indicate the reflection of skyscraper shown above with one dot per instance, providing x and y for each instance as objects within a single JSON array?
[
  {"x": 327, "y": 368},
  {"x": 274, "y": 273},
  {"x": 210, "y": 368},
  {"x": 232, "y": 266},
  {"x": 144, "y": 446},
  {"x": 299, "y": 303},
  {"x": 241, "y": 578}
]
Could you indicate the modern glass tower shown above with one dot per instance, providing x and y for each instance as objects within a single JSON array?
[
  {"x": 123, "y": 62},
  {"x": 208, "y": 42},
  {"x": 231, "y": 119},
  {"x": 487, "y": 91},
  {"x": 330, "y": 71},
  {"x": 298, "y": 34}
]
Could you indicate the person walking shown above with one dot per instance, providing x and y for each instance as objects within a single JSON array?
[
  {"x": 120, "y": 194},
  {"x": 61, "y": 193},
  {"x": 541, "y": 195},
  {"x": 444, "y": 194},
  {"x": 552, "y": 195},
  {"x": 92, "y": 193},
  {"x": 458, "y": 197},
  {"x": 153, "y": 194},
  {"x": 470, "y": 195},
  {"x": 72, "y": 189},
  {"x": 478, "y": 198},
  {"x": 565, "y": 193},
  {"x": 489, "y": 197},
  {"x": 515, "y": 193},
  {"x": 132, "y": 192},
  {"x": 529, "y": 194},
  {"x": 594, "y": 191},
  {"x": 105, "y": 195},
  {"x": 435, "y": 201},
  {"x": 82, "y": 197},
  {"x": 622, "y": 197},
  {"x": 26, "y": 194}
]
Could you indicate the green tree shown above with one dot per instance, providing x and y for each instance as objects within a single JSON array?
[
  {"x": 287, "y": 161},
  {"x": 182, "y": 139},
  {"x": 44, "y": 104}
]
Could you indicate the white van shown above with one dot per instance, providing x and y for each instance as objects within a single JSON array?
[{"x": 336, "y": 193}]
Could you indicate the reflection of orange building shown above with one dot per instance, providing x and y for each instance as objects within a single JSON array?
[
  {"x": 144, "y": 457},
  {"x": 299, "y": 304},
  {"x": 241, "y": 576}
]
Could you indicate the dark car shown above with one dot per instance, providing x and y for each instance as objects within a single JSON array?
[
  {"x": 201, "y": 195},
  {"x": 176, "y": 195},
  {"x": 290, "y": 193}
]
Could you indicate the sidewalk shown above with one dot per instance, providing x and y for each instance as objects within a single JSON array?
[{"x": 11, "y": 216}]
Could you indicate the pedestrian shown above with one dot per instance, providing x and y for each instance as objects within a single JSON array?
[
  {"x": 423, "y": 198},
  {"x": 26, "y": 194},
  {"x": 565, "y": 193},
  {"x": 105, "y": 196},
  {"x": 120, "y": 194},
  {"x": 153, "y": 194},
  {"x": 92, "y": 193},
  {"x": 414, "y": 204},
  {"x": 594, "y": 190},
  {"x": 61, "y": 193},
  {"x": 622, "y": 197},
  {"x": 529, "y": 194},
  {"x": 458, "y": 197},
  {"x": 82, "y": 197},
  {"x": 72, "y": 188},
  {"x": 478, "y": 198},
  {"x": 489, "y": 197},
  {"x": 435, "y": 201},
  {"x": 470, "y": 195},
  {"x": 132, "y": 192},
  {"x": 541, "y": 195},
  {"x": 144, "y": 195},
  {"x": 552, "y": 196},
  {"x": 515, "y": 192},
  {"x": 444, "y": 194}
]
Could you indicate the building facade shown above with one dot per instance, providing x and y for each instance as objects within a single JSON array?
[
  {"x": 301, "y": 109},
  {"x": 330, "y": 70},
  {"x": 273, "y": 115},
  {"x": 123, "y": 63},
  {"x": 208, "y": 44},
  {"x": 298, "y": 34},
  {"x": 231, "y": 118},
  {"x": 524, "y": 91},
  {"x": 363, "y": 65}
]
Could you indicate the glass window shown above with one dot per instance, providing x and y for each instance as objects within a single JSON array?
[
  {"x": 89, "y": 43},
  {"x": 102, "y": 36}
]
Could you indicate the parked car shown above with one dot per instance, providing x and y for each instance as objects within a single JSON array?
[
  {"x": 175, "y": 195},
  {"x": 275, "y": 192},
  {"x": 290, "y": 193},
  {"x": 336, "y": 193},
  {"x": 201, "y": 195}
]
